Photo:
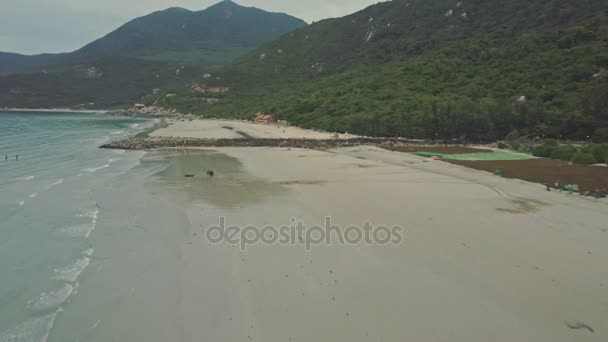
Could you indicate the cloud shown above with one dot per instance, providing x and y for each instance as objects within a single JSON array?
[{"x": 36, "y": 26}]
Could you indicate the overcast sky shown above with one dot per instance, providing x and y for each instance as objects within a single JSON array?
[{"x": 36, "y": 26}]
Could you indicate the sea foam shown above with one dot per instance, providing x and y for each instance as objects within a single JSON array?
[
  {"x": 70, "y": 273},
  {"x": 54, "y": 184},
  {"x": 26, "y": 178},
  {"x": 81, "y": 230},
  {"x": 48, "y": 187},
  {"x": 84, "y": 229},
  {"x": 95, "y": 169},
  {"x": 34, "y": 330},
  {"x": 51, "y": 300}
]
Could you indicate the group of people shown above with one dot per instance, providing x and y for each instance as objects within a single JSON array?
[{"x": 6, "y": 157}]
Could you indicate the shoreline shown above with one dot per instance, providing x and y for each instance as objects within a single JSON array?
[
  {"x": 55, "y": 110},
  {"x": 476, "y": 250},
  {"x": 186, "y": 133},
  {"x": 218, "y": 133}
]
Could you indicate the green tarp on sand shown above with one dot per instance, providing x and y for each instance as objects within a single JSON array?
[
  {"x": 430, "y": 154},
  {"x": 489, "y": 156},
  {"x": 496, "y": 155}
]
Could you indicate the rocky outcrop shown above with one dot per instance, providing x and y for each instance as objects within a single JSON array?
[
  {"x": 151, "y": 112},
  {"x": 209, "y": 90},
  {"x": 151, "y": 143}
]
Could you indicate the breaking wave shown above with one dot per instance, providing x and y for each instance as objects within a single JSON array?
[
  {"x": 70, "y": 273},
  {"x": 51, "y": 300},
  {"x": 95, "y": 169},
  {"x": 34, "y": 330},
  {"x": 26, "y": 178},
  {"x": 54, "y": 184}
]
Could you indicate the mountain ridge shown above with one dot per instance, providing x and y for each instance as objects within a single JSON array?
[
  {"x": 164, "y": 48},
  {"x": 148, "y": 31},
  {"x": 472, "y": 69}
]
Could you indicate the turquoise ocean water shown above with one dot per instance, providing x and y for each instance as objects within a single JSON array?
[{"x": 81, "y": 238}]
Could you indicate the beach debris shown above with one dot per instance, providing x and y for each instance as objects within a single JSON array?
[
  {"x": 210, "y": 173},
  {"x": 498, "y": 173},
  {"x": 189, "y": 175},
  {"x": 572, "y": 188},
  {"x": 598, "y": 193},
  {"x": 578, "y": 325}
]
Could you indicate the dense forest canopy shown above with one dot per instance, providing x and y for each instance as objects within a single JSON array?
[{"x": 447, "y": 69}]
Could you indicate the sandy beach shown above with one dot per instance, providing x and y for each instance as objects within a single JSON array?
[
  {"x": 482, "y": 258},
  {"x": 228, "y": 129},
  {"x": 126, "y": 235}
]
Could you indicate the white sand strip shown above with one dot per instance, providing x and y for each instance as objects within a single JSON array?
[{"x": 217, "y": 129}]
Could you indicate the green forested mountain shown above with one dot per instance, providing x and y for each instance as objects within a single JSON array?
[
  {"x": 473, "y": 69},
  {"x": 14, "y": 62},
  {"x": 165, "y": 48},
  {"x": 210, "y": 37}
]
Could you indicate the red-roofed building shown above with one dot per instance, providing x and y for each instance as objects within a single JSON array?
[{"x": 264, "y": 118}]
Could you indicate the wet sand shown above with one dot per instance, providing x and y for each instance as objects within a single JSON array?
[{"x": 483, "y": 258}]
